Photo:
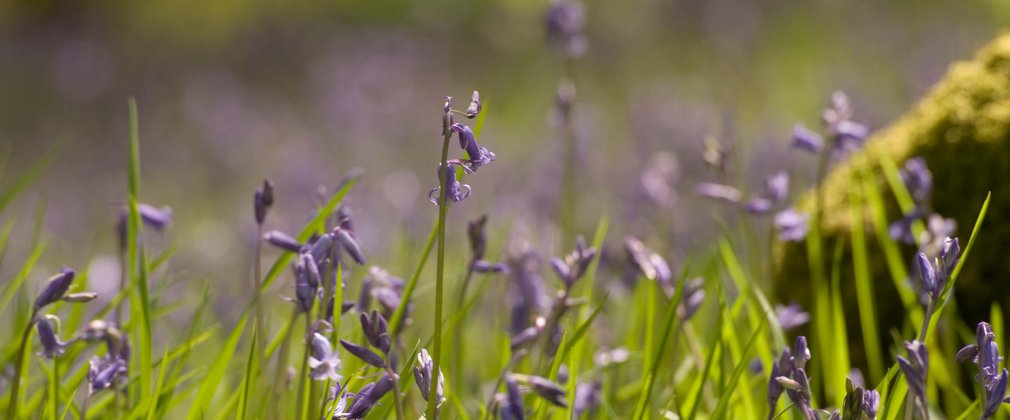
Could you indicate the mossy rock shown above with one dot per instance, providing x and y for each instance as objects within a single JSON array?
[{"x": 962, "y": 129}]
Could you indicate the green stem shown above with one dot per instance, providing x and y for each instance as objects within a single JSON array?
[
  {"x": 84, "y": 405},
  {"x": 397, "y": 400},
  {"x": 457, "y": 333},
  {"x": 443, "y": 204},
  {"x": 258, "y": 298},
  {"x": 303, "y": 373},
  {"x": 282, "y": 358},
  {"x": 12, "y": 405}
]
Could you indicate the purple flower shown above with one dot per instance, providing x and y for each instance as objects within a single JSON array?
[
  {"x": 791, "y": 226},
  {"x": 791, "y": 316},
  {"x": 55, "y": 288},
  {"x": 423, "y": 376},
  {"x": 759, "y": 205},
  {"x": 477, "y": 156},
  {"x": 324, "y": 362},
  {"x": 718, "y": 192},
  {"x": 368, "y": 396},
  {"x": 918, "y": 179},
  {"x": 565, "y": 20},
  {"x": 807, "y": 140},
  {"x": 456, "y": 191},
  {"x": 51, "y": 344},
  {"x": 104, "y": 372},
  {"x": 777, "y": 186},
  {"x": 649, "y": 263},
  {"x": 915, "y": 368},
  {"x": 282, "y": 241},
  {"x": 262, "y": 200}
]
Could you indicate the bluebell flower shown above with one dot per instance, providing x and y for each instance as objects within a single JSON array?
[
  {"x": 324, "y": 362},
  {"x": 918, "y": 179},
  {"x": 915, "y": 368},
  {"x": 807, "y": 140},
  {"x": 454, "y": 189},
  {"x": 791, "y": 316},
  {"x": 791, "y": 225},
  {"x": 718, "y": 191}
]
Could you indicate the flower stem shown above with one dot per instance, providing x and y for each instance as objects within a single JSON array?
[
  {"x": 397, "y": 400},
  {"x": 12, "y": 405},
  {"x": 258, "y": 297},
  {"x": 443, "y": 204},
  {"x": 457, "y": 333},
  {"x": 304, "y": 372}
]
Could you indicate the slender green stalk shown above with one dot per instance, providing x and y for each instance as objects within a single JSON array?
[
  {"x": 303, "y": 373},
  {"x": 397, "y": 399},
  {"x": 282, "y": 358},
  {"x": 12, "y": 405},
  {"x": 84, "y": 405},
  {"x": 457, "y": 333},
  {"x": 443, "y": 204},
  {"x": 258, "y": 282}
]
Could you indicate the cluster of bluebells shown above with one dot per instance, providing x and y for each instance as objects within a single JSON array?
[
  {"x": 918, "y": 181},
  {"x": 790, "y": 224},
  {"x": 531, "y": 298},
  {"x": 476, "y": 156},
  {"x": 936, "y": 273},
  {"x": 317, "y": 258},
  {"x": 325, "y": 364},
  {"x": 985, "y": 354},
  {"x": 654, "y": 267},
  {"x": 844, "y": 135},
  {"x": 104, "y": 372},
  {"x": 789, "y": 376}
]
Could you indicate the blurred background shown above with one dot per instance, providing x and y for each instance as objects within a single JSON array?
[{"x": 231, "y": 92}]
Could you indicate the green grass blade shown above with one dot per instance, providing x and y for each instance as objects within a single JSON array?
[
  {"x": 396, "y": 322},
  {"x": 251, "y": 370},
  {"x": 694, "y": 399},
  {"x": 945, "y": 294},
  {"x": 152, "y": 407},
  {"x": 217, "y": 370},
  {"x": 649, "y": 380},
  {"x": 741, "y": 366},
  {"x": 28, "y": 178},
  {"x": 864, "y": 287}
]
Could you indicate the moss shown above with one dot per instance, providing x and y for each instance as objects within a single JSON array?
[{"x": 962, "y": 129}]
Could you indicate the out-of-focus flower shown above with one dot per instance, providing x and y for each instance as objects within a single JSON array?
[
  {"x": 105, "y": 372},
  {"x": 718, "y": 192},
  {"x": 918, "y": 179},
  {"x": 649, "y": 263},
  {"x": 807, "y": 140},
  {"x": 658, "y": 177},
  {"x": 915, "y": 369},
  {"x": 565, "y": 20},
  {"x": 791, "y": 225},
  {"x": 791, "y": 316},
  {"x": 574, "y": 265},
  {"x": 263, "y": 199}
]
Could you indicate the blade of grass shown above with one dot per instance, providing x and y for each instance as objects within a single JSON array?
[
  {"x": 29, "y": 177},
  {"x": 694, "y": 399},
  {"x": 864, "y": 286},
  {"x": 741, "y": 366},
  {"x": 649, "y": 380},
  {"x": 396, "y": 322},
  {"x": 945, "y": 294},
  {"x": 251, "y": 371},
  {"x": 217, "y": 370}
]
